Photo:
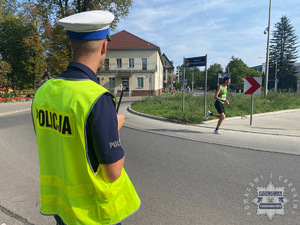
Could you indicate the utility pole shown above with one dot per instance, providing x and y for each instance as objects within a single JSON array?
[
  {"x": 267, "y": 57},
  {"x": 276, "y": 82},
  {"x": 183, "y": 88},
  {"x": 205, "y": 93}
]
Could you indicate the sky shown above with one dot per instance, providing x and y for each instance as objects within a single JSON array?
[{"x": 219, "y": 28}]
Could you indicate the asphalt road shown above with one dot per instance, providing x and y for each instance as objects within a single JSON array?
[{"x": 180, "y": 181}]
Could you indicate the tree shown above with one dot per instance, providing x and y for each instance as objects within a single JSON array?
[
  {"x": 59, "y": 52},
  {"x": 29, "y": 38},
  {"x": 63, "y": 8},
  {"x": 197, "y": 74},
  {"x": 212, "y": 76},
  {"x": 34, "y": 49},
  {"x": 7, "y": 8},
  {"x": 21, "y": 46},
  {"x": 13, "y": 31},
  {"x": 239, "y": 70},
  {"x": 283, "y": 49},
  {"x": 5, "y": 69}
]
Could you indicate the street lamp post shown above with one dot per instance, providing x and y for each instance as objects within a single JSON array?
[
  {"x": 267, "y": 57},
  {"x": 276, "y": 81},
  {"x": 178, "y": 72}
]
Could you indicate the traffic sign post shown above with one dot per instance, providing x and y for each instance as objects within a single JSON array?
[
  {"x": 276, "y": 83},
  {"x": 195, "y": 62},
  {"x": 252, "y": 86},
  {"x": 205, "y": 92}
]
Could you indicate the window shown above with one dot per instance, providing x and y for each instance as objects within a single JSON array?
[
  {"x": 106, "y": 64},
  {"x": 111, "y": 82},
  {"x": 140, "y": 82},
  {"x": 119, "y": 63},
  {"x": 131, "y": 62},
  {"x": 144, "y": 64}
]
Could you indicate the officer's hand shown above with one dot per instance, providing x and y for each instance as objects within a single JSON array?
[{"x": 121, "y": 120}]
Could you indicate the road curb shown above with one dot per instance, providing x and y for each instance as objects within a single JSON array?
[
  {"x": 254, "y": 115},
  {"x": 129, "y": 109},
  {"x": 218, "y": 143},
  {"x": 249, "y": 131},
  {"x": 13, "y": 112},
  {"x": 204, "y": 123}
]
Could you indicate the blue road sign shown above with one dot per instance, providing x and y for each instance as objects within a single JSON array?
[
  {"x": 277, "y": 80},
  {"x": 223, "y": 75},
  {"x": 195, "y": 61}
]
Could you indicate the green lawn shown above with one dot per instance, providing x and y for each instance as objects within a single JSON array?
[{"x": 170, "y": 106}]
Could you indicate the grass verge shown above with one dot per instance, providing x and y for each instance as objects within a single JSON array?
[{"x": 170, "y": 106}]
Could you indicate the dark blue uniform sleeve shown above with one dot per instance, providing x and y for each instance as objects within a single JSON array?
[{"x": 102, "y": 133}]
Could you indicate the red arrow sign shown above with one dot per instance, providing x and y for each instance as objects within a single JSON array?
[{"x": 254, "y": 85}]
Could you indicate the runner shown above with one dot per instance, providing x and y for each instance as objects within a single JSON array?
[{"x": 220, "y": 97}]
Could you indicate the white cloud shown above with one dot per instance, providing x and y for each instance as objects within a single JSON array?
[{"x": 219, "y": 28}]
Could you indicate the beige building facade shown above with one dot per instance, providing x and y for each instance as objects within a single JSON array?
[{"x": 132, "y": 64}]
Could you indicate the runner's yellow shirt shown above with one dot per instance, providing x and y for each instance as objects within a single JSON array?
[{"x": 68, "y": 186}]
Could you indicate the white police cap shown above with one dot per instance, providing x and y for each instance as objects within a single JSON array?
[{"x": 89, "y": 25}]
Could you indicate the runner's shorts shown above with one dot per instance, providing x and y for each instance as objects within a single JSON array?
[{"x": 220, "y": 107}]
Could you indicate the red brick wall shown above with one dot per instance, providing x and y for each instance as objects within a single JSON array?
[{"x": 145, "y": 92}]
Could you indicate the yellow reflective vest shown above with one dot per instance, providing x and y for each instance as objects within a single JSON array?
[{"x": 68, "y": 186}]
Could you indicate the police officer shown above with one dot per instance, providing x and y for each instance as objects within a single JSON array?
[{"x": 82, "y": 179}]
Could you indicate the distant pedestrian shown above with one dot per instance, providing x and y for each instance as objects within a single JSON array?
[
  {"x": 172, "y": 90},
  {"x": 220, "y": 97},
  {"x": 188, "y": 89}
]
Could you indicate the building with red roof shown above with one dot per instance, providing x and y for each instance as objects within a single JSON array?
[{"x": 133, "y": 64}]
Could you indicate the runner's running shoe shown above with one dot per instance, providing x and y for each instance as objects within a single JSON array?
[
  {"x": 217, "y": 132},
  {"x": 208, "y": 115}
]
